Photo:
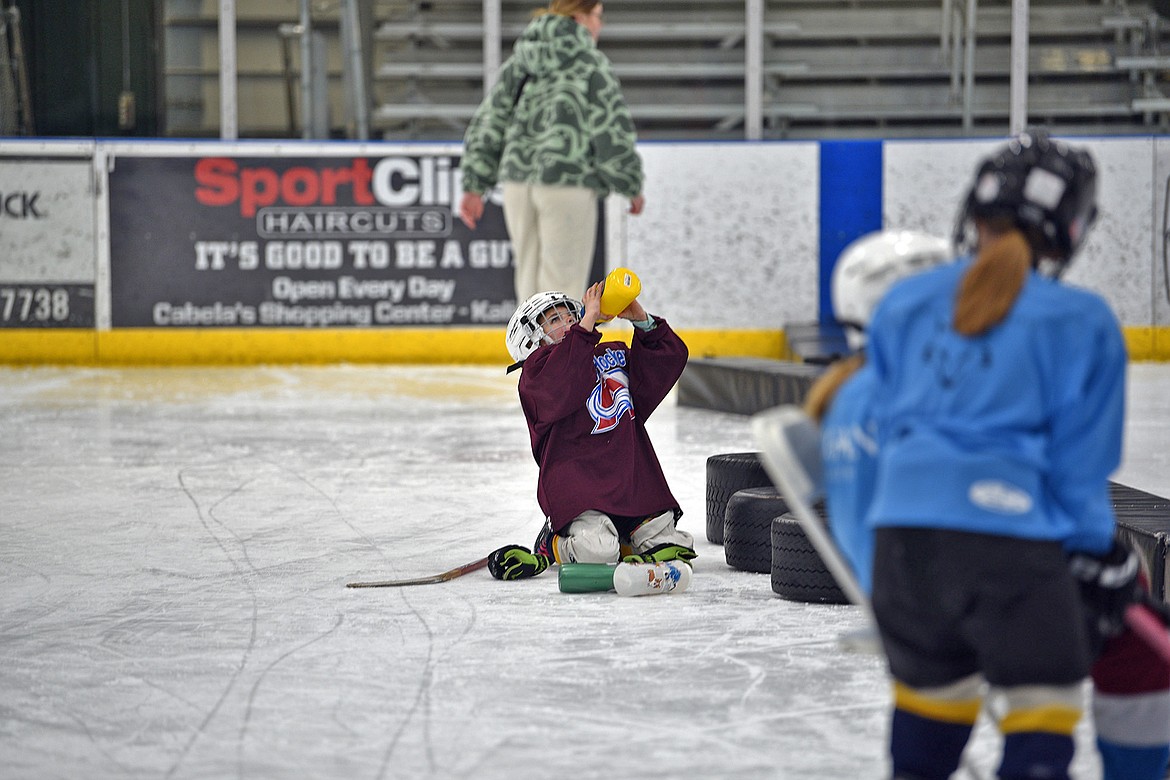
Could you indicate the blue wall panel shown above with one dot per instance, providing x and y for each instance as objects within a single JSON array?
[{"x": 850, "y": 206}]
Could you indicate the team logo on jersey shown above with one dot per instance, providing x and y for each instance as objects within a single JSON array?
[
  {"x": 610, "y": 399},
  {"x": 847, "y": 443},
  {"x": 1000, "y": 497}
]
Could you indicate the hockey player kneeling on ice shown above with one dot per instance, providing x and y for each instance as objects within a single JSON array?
[{"x": 600, "y": 485}]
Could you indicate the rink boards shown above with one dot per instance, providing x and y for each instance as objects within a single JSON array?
[{"x": 176, "y": 252}]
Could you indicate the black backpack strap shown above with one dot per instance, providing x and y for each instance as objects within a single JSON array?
[{"x": 520, "y": 89}]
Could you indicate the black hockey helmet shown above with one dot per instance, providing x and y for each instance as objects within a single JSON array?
[{"x": 1047, "y": 188}]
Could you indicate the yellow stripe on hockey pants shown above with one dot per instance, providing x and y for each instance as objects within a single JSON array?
[
  {"x": 1045, "y": 708},
  {"x": 955, "y": 703},
  {"x": 1037, "y": 730},
  {"x": 931, "y": 726}
]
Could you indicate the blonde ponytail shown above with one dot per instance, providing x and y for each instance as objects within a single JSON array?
[
  {"x": 991, "y": 285},
  {"x": 824, "y": 390}
]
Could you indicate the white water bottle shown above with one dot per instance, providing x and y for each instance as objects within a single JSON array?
[{"x": 649, "y": 579}]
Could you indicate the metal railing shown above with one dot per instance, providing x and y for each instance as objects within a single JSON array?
[
  {"x": 417, "y": 95},
  {"x": 16, "y": 114},
  {"x": 314, "y": 98}
]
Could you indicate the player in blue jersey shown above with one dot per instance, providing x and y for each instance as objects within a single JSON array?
[
  {"x": 841, "y": 399},
  {"x": 998, "y": 405},
  {"x": 586, "y": 402},
  {"x": 1131, "y": 696}
]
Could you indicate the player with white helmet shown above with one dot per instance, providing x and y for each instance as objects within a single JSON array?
[
  {"x": 841, "y": 398},
  {"x": 586, "y": 402},
  {"x": 870, "y": 265},
  {"x": 542, "y": 319}
]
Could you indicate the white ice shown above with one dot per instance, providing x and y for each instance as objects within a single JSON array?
[{"x": 174, "y": 545}]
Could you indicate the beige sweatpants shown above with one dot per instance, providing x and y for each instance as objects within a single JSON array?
[{"x": 553, "y": 230}]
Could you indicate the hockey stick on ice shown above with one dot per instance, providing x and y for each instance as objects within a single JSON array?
[
  {"x": 451, "y": 574},
  {"x": 790, "y": 446}
]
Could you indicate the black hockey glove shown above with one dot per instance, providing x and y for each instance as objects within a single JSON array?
[
  {"x": 663, "y": 552},
  {"x": 513, "y": 562},
  {"x": 1109, "y": 584}
]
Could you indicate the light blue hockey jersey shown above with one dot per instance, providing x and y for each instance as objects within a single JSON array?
[
  {"x": 1014, "y": 432},
  {"x": 849, "y": 448}
]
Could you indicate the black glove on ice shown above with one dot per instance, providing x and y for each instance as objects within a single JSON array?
[{"x": 513, "y": 562}]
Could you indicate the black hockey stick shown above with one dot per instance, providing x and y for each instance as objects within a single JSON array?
[{"x": 458, "y": 571}]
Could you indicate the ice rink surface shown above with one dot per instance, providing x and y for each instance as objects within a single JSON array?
[{"x": 174, "y": 545}]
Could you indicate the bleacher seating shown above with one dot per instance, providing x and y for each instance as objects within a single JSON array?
[{"x": 828, "y": 68}]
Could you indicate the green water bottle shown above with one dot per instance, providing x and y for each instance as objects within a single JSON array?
[{"x": 586, "y": 577}]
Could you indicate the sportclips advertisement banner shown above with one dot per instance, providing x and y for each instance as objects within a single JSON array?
[{"x": 307, "y": 242}]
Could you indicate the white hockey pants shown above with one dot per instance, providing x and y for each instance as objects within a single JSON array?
[{"x": 592, "y": 538}]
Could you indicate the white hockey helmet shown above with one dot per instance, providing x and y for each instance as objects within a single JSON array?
[
  {"x": 525, "y": 330},
  {"x": 869, "y": 266}
]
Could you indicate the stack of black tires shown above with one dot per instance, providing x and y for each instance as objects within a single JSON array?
[{"x": 748, "y": 516}]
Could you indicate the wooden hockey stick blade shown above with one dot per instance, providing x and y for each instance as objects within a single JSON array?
[
  {"x": 1150, "y": 628},
  {"x": 458, "y": 571},
  {"x": 790, "y": 449}
]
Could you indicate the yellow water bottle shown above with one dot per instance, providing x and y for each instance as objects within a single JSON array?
[{"x": 622, "y": 286}]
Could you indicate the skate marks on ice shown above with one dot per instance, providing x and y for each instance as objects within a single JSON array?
[
  {"x": 591, "y": 685},
  {"x": 217, "y": 518},
  {"x": 172, "y": 601},
  {"x": 197, "y": 542},
  {"x": 304, "y": 505}
]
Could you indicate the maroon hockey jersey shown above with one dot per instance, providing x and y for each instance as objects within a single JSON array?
[{"x": 586, "y": 403}]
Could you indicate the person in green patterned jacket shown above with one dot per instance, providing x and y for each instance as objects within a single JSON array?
[{"x": 556, "y": 132}]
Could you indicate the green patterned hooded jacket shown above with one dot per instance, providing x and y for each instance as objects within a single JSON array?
[{"x": 555, "y": 116}]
